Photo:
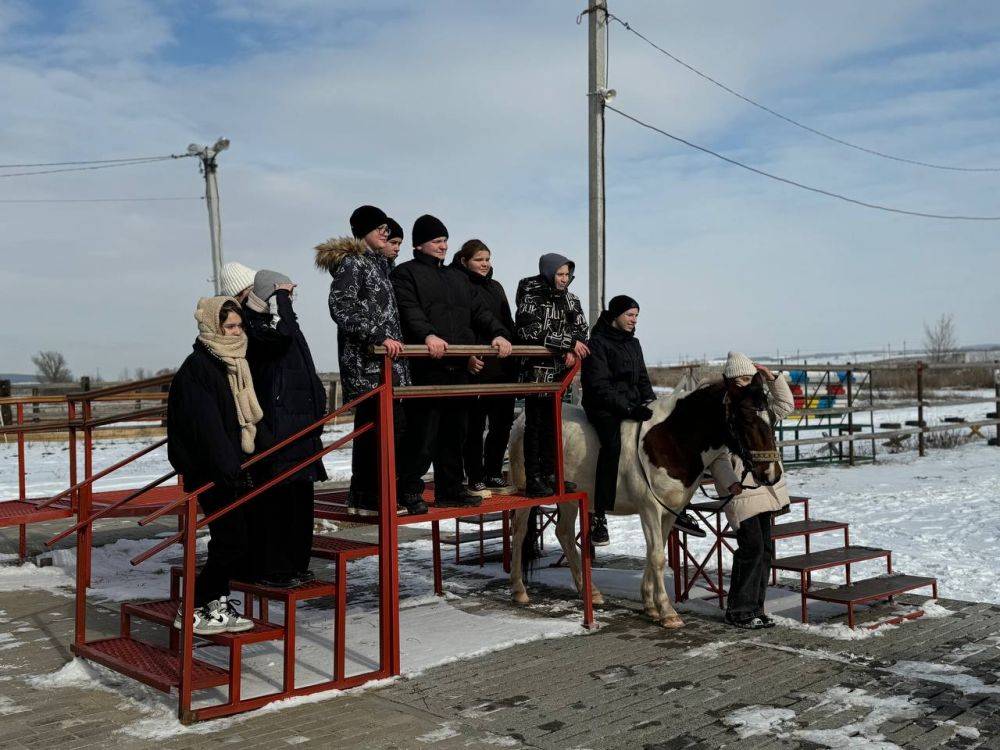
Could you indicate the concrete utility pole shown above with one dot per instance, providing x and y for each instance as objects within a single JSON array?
[
  {"x": 597, "y": 95},
  {"x": 209, "y": 167}
]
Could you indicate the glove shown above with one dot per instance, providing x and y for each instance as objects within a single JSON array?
[{"x": 640, "y": 413}]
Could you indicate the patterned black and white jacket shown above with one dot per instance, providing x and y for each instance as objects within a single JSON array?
[
  {"x": 363, "y": 306},
  {"x": 548, "y": 317}
]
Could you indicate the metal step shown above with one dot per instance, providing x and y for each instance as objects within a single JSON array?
[
  {"x": 871, "y": 589},
  {"x": 805, "y": 528},
  {"x": 487, "y": 518},
  {"x": 467, "y": 537},
  {"x": 309, "y": 590},
  {"x": 331, "y": 547},
  {"x": 151, "y": 665},
  {"x": 163, "y": 613},
  {"x": 830, "y": 558},
  {"x": 715, "y": 506}
]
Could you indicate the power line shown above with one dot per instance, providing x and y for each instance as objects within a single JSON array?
[
  {"x": 787, "y": 181},
  {"x": 148, "y": 160},
  {"x": 93, "y": 161},
  {"x": 99, "y": 200},
  {"x": 789, "y": 120}
]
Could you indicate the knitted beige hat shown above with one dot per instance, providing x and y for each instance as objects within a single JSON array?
[
  {"x": 738, "y": 364},
  {"x": 236, "y": 277}
]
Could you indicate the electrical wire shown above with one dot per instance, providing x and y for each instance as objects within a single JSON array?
[
  {"x": 821, "y": 191},
  {"x": 790, "y": 120},
  {"x": 98, "y": 200},
  {"x": 135, "y": 162},
  {"x": 93, "y": 161}
]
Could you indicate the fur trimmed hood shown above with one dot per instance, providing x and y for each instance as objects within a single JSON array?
[{"x": 329, "y": 254}]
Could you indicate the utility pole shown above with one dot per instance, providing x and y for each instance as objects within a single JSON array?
[
  {"x": 209, "y": 167},
  {"x": 597, "y": 95}
]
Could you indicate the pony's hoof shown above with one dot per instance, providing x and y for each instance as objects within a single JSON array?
[
  {"x": 596, "y": 597},
  {"x": 672, "y": 621},
  {"x": 521, "y": 597}
]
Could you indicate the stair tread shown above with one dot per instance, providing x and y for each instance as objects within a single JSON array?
[
  {"x": 324, "y": 546},
  {"x": 812, "y": 526},
  {"x": 714, "y": 506},
  {"x": 487, "y": 518},
  {"x": 828, "y": 558},
  {"x": 149, "y": 664},
  {"x": 163, "y": 612},
  {"x": 471, "y": 536},
  {"x": 872, "y": 588},
  {"x": 308, "y": 590}
]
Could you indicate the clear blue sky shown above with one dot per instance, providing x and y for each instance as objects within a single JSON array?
[{"x": 476, "y": 112}]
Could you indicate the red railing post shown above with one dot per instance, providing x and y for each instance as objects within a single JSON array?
[
  {"x": 187, "y": 610},
  {"x": 87, "y": 496},
  {"x": 388, "y": 531}
]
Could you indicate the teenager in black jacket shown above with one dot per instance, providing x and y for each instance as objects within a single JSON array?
[
  {"x": 212, "y": 421},
  {"x": 548, "y": 315},
  {"x": 292, "y": 397},
  {"x": 438, "y": 307},
  {"x": 484, "y": 458},
  {"x": 616, "y": 387}
]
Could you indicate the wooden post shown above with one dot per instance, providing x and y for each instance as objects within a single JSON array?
[
  {"x": 6, "y": 418},
  {"x": 996, "y": 388},
  {"x": 34, "y": 406},
  {"x": 850, "y": 417},
  {"x": 920, "y": 406}
]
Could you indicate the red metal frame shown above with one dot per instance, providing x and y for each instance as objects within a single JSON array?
[{"x": 388, "y": 538}]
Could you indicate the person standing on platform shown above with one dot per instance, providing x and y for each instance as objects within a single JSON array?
[
  {"x": 438, "y": 307},
  {"x": 236, "y": 280},
  {"x": 548, "y": 315},
  {"x": 394, "y": 240},
  {"x": 363, "y": 306},
  {"x": 483, "y": 458},
  {"x": 292, "y": 397},
  {"x": 212, "y": 429}
]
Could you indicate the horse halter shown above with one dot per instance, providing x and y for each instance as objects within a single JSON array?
[{"x": 750, "y": 457}]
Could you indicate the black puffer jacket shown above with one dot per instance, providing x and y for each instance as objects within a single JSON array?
[
  {"x": 496, "y": 370},
  {"x": 615, "y": 379},
  {"x": 363, "y": 306},
  {"x": 203, "y": 432},
  {"x": 287, "y": 386},
  {"x": 435, "y": 299},
  {"x": 548, "y": 317}
]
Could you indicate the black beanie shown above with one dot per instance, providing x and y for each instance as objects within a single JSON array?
[
  {"x": 426, "y": 228},
  {"x": 620, "y": 304},
  {"x": 394, "y": 229},
  {"x": 365, "y": 219}
]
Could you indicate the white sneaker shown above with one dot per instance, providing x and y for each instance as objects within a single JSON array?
[
  {"x": 206, "y": 622},
  {"x": 233, "y": 622}
]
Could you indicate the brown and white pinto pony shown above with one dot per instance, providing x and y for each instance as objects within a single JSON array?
[{"x": 662, "y": 463}]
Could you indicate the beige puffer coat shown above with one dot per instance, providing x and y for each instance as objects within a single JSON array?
[{"x": 728, "y": 468}]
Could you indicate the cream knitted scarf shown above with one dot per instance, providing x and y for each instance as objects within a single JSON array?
[{"x": 232, "y": 351}]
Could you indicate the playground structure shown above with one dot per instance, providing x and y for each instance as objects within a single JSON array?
[{"x": 175, "y": 666}]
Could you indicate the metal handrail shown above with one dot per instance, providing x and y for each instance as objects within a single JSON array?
[
  {"x": 253, "y": 493},
  {"x": 103, "y": 473},
  {"x": 106, "y": 510},
  {"x": 264, "y": 454}
]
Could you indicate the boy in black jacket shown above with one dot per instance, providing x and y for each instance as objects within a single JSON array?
[
  {"x": 437, "y": 307},
  {"x": 549, "y": 315}
]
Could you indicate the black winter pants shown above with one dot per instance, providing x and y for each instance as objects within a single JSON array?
[
  {"x": 435, "y": 433},
  {"x": 751, "y": 566},
  {"x": 539, "y": 437},
  {"x": 609, "y": 432},
  {"x": 365, "y": 449},
  {"x": 228, "y": 547},
  {"x": 484, "y": 454},
  {"x": 281, "y": 529}
]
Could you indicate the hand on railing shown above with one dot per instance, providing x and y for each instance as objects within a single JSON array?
[
  {"x": 393, "y": 348},
  {"x": 436, "y": 345},
  {"x": 503, "y": 346}
]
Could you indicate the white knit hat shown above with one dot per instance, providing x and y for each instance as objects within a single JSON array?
[
  {"x": 738, "y": 364},
  {"x": 235, "y": 278}
]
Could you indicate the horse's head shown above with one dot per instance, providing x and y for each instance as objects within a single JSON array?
[{"x": 750, "y": 430}]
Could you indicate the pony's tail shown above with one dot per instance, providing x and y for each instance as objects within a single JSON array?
[{"x": 530, "y": 549}]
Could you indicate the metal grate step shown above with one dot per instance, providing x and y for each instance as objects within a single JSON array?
[
  {"x": 163, "y": 613},
  {"x": 331, "y": 547},
  {"x": 150, "y": 664},
  {"x": 871, "y": 589},
  {"x": 830, "y": 558}
]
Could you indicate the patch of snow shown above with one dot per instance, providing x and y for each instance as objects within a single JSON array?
[
  {"x": 756, "y": 720},
  {"x": 946, "y": 674},
  {"x": 444, "y": 732},
  {"x": 710, "y": 650},
  {"x": 863, "y": 733},
  {"x": 30, "y": 576},
  {"x": 7, "y": 707}
]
